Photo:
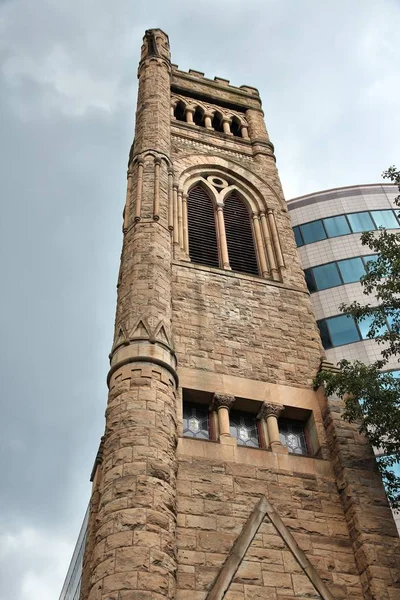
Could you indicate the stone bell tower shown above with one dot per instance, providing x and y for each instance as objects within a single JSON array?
[{"x": 222, "y": 473}]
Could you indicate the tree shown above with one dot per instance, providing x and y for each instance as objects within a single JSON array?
[{"x": 372, "y": 397}]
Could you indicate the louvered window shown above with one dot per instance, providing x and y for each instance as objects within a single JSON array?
[
  {"x": 203, "y": 247},
  {"x": 239, "y": 236}
]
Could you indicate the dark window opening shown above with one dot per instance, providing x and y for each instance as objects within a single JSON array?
[
  {"x": 239, "y": 236},
  {"x": 180, "y": 111},
  {"x": 203, "y": 247},
  {"x": 198, "y": 116},
  {"x": 235, "y": 127},
  {"x": 217, "y": 122},
  {"x": 243, "y": 427},
  {"x": 196, "y": 421},
  {"x": 293, "y": 435}
]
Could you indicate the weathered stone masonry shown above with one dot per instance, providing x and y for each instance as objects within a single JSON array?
[{"x": 167, "y": 511}]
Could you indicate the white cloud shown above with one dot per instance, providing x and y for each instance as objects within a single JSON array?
[{"x": 45, "y": 558}]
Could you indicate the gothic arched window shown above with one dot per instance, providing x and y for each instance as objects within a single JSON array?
[
  {"x": 239, "y": 236},
  {"x": 203, "y": 246}
]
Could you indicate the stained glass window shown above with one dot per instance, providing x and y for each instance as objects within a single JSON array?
[
  {"x": 292, "y": 436},
  {"x": 195, "y": 421},
  {"x": 243, "y": 427}
]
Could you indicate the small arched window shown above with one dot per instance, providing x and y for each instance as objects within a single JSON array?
[
  {"x": 198, "y": 116},
  {"x": 203, "y": 246},
  {"x": 239, "y": 236},
  {"x": 217, "y": 122},
  {"x": 235, "y": 127},
  {"x": 179, "y": 111}
]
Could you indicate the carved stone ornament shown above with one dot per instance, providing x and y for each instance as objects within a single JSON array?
[
  {"x": 222, "y": 400},
  {"x": 268, "y": 409}
]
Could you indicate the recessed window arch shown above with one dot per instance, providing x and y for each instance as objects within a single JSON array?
[
  {"x": 203, "y": 245},
  {"x": 198, "y": 116},
  {"x": 217, "y": 122},
  {"x": 180, "y": 111},
  {"x": 239, "y": 235},
  {"x": 236, "y": 127}
]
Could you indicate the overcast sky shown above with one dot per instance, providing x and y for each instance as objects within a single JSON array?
[{"x": 328, "y": 74}]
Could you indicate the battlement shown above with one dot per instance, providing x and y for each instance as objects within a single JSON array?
[{"x": 219, "y": 88}]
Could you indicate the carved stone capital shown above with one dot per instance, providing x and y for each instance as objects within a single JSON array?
[
  {"x": 222, "y": 401},
  {"x": 268, "y": 409}
]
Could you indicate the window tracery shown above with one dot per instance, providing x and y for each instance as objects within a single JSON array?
[{"x": 217, "y": 223}]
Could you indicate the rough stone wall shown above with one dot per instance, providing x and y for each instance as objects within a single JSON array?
[
  {"x": 215, "y": 498},
  {"x": 234, "y": 325}
]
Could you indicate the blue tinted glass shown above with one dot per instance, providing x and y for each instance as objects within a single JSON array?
[
  {"x": 370, "y": 258},
  {"x": 396, "y": 374},
  {"x": 310, "y": 280},
  {"x": 326, "y": 276},
  {"x": 385, "y": 218},
  {"x": 351, "y": 270},
  {"x": 297, "y": 236},
  {"x": 360, "y": 222},
  {"x": 323, "y": 330},
  {"x": 313, "y": 232},
  {"x": 336, "y": 226},
  {"x": 342, "y": 330},
  {"x": 364, "y": 326}
]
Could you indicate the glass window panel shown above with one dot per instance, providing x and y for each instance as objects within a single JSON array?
[
  {"x": 336, "y": 226},
  {"x": 325, "y": 338},
  {"x": 351, "y": 269},
  {"x": 342, "y": 330},
  {"x": 326, "y": 276},
  {"x": 370, "y": 258},
  {"x": 385, "y": 218},
  {"x": 313, "y": 232},
  {"x": 195, "y": 421},
  {"x": 310, "y": 280},
  {"x": 360, "y": 222},
  {"x": 364, "y": 326},
  {"x": 292, "y": 436},
  {"x": 297, "y": 235},
  {"x": 243, "y": 427}
]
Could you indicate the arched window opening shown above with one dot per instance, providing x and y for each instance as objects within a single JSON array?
[
  {"x": 198, "y": 116},
  {"x": 180, "y": 111},
  {"x": 203, "y": 246},
  {"x": 217, "y": 122},
  {"x": 235, "y": 127},
  {"x": 239, "y": 236}
]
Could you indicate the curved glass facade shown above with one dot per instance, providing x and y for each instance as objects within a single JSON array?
[{"x": 327, "y": 227}]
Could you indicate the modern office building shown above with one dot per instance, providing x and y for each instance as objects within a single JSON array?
[
  {"x": 327, "y": 228},
  {"x": 72, "y": 584},
  {"x": 222, "y": 472}
]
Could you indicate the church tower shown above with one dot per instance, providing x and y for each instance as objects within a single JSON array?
[{"x": 222, "y": 473}]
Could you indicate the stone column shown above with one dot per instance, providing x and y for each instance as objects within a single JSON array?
[
  {"x": 185, "y": 224},
  {"x": 222, "y": 236},
  {"x": 208, "y": 120},
  {"x": 269, "y": 248},
  {"x": 226, "y": 125},
  {"x": 275, "y": 238},
  {"x": 244, "y": 131},
  {"x": 134, "y": 537},
  {"x": 260, "y": 246},
  {"x": 223, "y": 404},
  {"x": 127, "y": 202},
  {"x": 180, "y": 218},
  {"x": 189, "y": 115},
  {"x": 270, "y": 413}
]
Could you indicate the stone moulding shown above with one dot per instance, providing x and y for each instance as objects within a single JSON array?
[{"x": 263, "y": 509}]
